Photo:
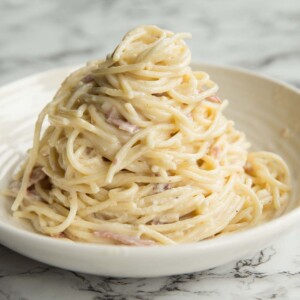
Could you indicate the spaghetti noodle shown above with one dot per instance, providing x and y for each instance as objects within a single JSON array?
[{"x": 138, "y": 152}]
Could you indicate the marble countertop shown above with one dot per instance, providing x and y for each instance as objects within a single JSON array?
[{"x": 260, "y": 35}]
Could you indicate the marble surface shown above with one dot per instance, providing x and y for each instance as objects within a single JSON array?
[{"x": 260, "y": 35}]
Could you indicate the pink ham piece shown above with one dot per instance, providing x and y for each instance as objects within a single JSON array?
[
  {"x": 214, "y": 99},
  {"x": 123, "y": 239},
  {"x": 88, "y": 78},
  {"x": 160, "y": 187},
  {"x": 32, "y": 193},
  {"x": 37, "y": 174},
  {"x": 113, "y": 117},
  {"x": 14, "y": 188}
]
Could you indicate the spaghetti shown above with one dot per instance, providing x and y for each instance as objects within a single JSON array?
[{"x": 138, "y": 152}]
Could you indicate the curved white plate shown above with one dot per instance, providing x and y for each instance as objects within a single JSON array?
[{"x": 265, "y": 109}]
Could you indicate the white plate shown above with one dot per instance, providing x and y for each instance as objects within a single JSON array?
[{"x": 265, "y": 109}]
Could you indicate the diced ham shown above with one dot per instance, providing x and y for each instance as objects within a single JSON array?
[
  {"x": 32, "y": 193},
  {"x": 36, "y": 175},
  {"x": 214, "y": 99},
  {"x": 124, "y": 239},
  {"x": 14, "y": 188},
  {"x": 160, "y": 187},
  {"x": 113, "y": 117},
  {"x": 88, "y": 78},
  {"x": 126, "y": 126}
]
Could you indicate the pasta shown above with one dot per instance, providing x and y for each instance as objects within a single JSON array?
[{"x": 138, "y": 152}]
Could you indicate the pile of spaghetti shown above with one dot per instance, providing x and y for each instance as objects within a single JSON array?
[{"x": 138, "y": 152}]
